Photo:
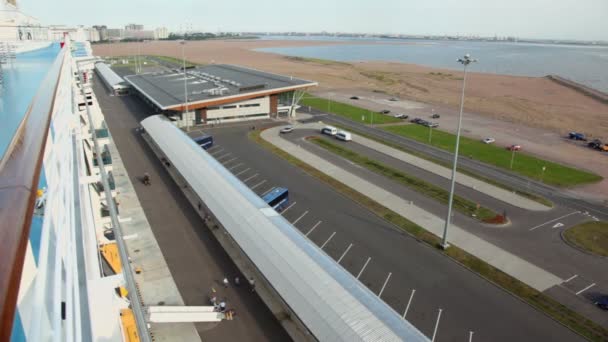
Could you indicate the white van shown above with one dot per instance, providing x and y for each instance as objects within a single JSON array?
[
  {"x": 329, "y": 130},
  {"x": 344, "y": 136}
]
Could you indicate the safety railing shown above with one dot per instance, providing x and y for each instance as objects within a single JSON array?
[{"x": 19, "y": 174}]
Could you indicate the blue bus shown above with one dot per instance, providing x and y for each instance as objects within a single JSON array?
[
  {"x": 205, "y": 141},
  {"x": 277, "y": 198}
]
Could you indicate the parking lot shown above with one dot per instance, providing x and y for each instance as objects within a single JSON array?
[{"x": 435, "y": 294}]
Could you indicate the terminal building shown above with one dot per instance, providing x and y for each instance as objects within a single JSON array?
[
  {"x": 113, "y": 82},
  {"x": 219, "y": 93}
]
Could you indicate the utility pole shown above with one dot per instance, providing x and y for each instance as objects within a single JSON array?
[
  {"x": 183, "y": 42},
  {"x": 465, "y": 61}
]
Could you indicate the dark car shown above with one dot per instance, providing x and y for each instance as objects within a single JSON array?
[
  {"x": 393, "y": 99},
  {"x": 385, "y": 111},
  {"x": 354, "y": 97},
  {"x": 595, "y": 144},
  {"x": 435, "y": 116},
  {"x": 415, "y": 120},
  {"x": 602, "y": 303}
]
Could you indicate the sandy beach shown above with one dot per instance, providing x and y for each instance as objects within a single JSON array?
[{"x": 494, "y": 103}]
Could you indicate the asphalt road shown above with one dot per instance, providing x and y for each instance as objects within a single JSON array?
[
  {"x": 334, "y": 222},
  {"x": 196, "y": 260},
  {"x": 534, "y": 236}
]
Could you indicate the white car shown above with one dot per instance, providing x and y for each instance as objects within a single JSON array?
[
  {"x": 488, "y": 140},
  {"x": 287, "y": 129},
  {"x": 329, "y": 130},
  {"x": 344, "y": 136}
]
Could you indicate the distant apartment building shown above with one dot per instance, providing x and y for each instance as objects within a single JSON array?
[
  {"x": 115, "y": 34},
  {"x": 134, "y": 27},
  {"x": 161, "y": 33},
  {"x": 139, "y": 34},
  {"x": 102, "y": 30}
]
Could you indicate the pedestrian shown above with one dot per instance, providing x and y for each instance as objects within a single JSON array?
[
  {"x": 222, "y": 306},
  {"x": 252, "y": 284},
  {"x": 237, "y": 281},
  {"x": 226, "y": 282}
]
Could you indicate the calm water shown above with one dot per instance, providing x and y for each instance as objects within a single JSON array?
[
  {"x": 585, "y": 64},
  {"x": 22, "y": 79}
]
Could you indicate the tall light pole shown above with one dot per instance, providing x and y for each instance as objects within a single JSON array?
[
  {"x": 183, "y": 42},
  {"x": 465, "y": 61}
]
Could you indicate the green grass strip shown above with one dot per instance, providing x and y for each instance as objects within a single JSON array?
[
  {"x": 463, "y": 205},
  {"x": 538, "y": 300},
  {"x": 523, "y": 164},
  {"x": 590, "y": 236},
  {"x": 348, "y": 111}
]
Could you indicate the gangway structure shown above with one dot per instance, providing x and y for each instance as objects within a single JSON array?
[{"x": 312, "y": 295}]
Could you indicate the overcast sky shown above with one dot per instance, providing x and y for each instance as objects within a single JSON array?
[{"x": 566, "y": 19}]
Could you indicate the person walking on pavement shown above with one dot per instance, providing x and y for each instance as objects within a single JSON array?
[
  {"x": 237, "y": 281},
  {"x": 222, "y": 306},
  {"x": 226, "y": 282}
]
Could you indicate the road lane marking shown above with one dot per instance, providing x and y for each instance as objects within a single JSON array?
[
  {"x": 385, "y": 282},
  {"x": 559, "y": 218},
  {"x": 574, "y": 276},
  {"x": 313, "y": 228},
  {"x": 585, "y": 289},
  {"x": 326, "y": 242},
  {"x": 216, "y": 151},
  {"x": 436, "y": 325},
  {"x": 230, "y": 160},
  {"x": 240, "y": 173},
  {"x": 223, "y": 156},
  {"x": 250, "y": 178},
  {"x": 344, "y": 254},
  {"x": 260, "y": 183},
  {"x": 267, "y": 191},
  {"x": 364, "y": 266},
  {"x": 284, "y": 211},
  {"x": 234, "y": 166},
  {"x": 299, "y": 218},
  {"x": 557, "y": 225},
  {"x": 409, "y": 302}
]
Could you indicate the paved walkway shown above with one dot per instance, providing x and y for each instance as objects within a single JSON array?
[
  {"x": 155, "y": 282},
  {"x": 493, "y": 255}
]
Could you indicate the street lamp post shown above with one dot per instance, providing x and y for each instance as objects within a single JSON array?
[
  {"x": 465, "y": 61},
  {"x": 183, "y": 42}
]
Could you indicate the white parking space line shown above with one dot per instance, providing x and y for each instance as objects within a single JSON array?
[
  {"x": 250, "y": 178},
  {"x": 344, "y": 254},
  {"x": 561, "y": 217},
  {"x": 291, "y": 205},
  {"x": 234, "y": 166},
  {"x": 223, "y": 156},
  {"x": 216, "y": 151},
  {"x": 385, "y": 282},
  {"x": 230, "y": 160},
  {"x": 240, "y": 173},
  {"x": 260, "y": 183},
  {"x": 313, "y": 228},
  {"x": 267, "y": 191},
  {"x": 212, "y": 148},
  {"x": 574, "y": 276},
  {"x": 326, "y": 242},
  {"x": 409, "y": 302},
  {"x": 470, "y": 336},
  {"x": 299, "y": 218},
  {"x": 585, "y": 289},
  {"x": 436, "y": 325},
  {"x": 363, "y": 268}
]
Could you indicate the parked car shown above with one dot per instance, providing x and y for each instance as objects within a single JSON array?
[
  {"x": 329, "y": 130},
  {"x": 286, "y": 129},
  {"x": 354, "y": 97},
  {"x": 595, "y": 144},
  {"x": 514, "y": 147},
  {"x": 401, "y": 116},
  {"x": 393, "y": 99},
  {"x": 577, "y": 136},
  {"x": 488, "y": 140},
  {"x": 435, "y": 116},
  {"x": 415, "y": 120},
  {"x": 344, "y": 136},
  {"x": 433, "y": 125},
  {"x": 602, "y": 303},
  {"x": 385, "y": 111}
]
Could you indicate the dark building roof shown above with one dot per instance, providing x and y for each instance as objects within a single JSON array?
[{"x": 210, "y": 83}]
